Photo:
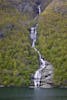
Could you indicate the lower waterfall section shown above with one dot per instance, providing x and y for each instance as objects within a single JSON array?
[
  {"x": 37, "y": 78},
  {"x": 43, "y": 76}
]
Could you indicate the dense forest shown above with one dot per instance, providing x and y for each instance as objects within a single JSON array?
[{"x": 18, "y": 61}]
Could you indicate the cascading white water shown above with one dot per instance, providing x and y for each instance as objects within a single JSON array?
[
  {"x": 39, "y": 9},
  {"x": 43, "y": 63},
  {"x": 33, "y": 35},
  {"x": 37, "y": 75}
]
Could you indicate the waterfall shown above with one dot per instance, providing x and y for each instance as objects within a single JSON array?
[
  {"x": 43, "y": 62},
  {"x": 39, "y": 9},
  {"x": 33, "y": 35},
  {"x": 37, "y": 75}
]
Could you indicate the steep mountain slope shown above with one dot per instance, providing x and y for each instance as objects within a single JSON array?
[
  {"x": 17, "y": 59},
  {"x": 24, "y": 6},
  {"x": 52, "y": 39}
]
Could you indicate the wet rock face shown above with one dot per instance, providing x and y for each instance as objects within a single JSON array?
[{"x": 47, "y": 77}]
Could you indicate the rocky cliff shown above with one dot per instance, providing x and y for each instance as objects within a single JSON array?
[
  {"x": 47, "y": 77},
  {"x": 25, "y": 6}
]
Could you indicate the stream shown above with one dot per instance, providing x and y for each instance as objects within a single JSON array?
[{"x": 43, "y": 63}]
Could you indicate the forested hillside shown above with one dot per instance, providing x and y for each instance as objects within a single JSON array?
[
  {"x": 18, "y": 61},
  {"x": 52, "y": 39}
]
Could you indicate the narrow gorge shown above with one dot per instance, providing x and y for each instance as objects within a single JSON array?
[{"x": 44, "y": 75}]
